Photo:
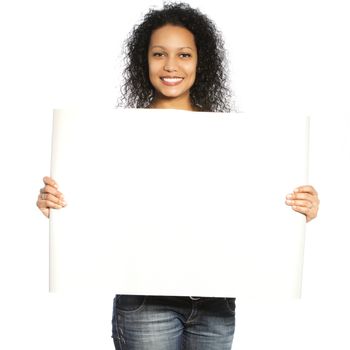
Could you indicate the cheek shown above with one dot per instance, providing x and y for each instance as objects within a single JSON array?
[
  {"x": 153, "y": 69},
  {"x": 191, "y": 70}
]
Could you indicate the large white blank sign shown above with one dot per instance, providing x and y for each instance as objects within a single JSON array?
[{"x": 169, "y": 202}]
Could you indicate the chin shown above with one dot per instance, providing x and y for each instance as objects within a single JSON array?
[{"x": 172, "y": 93}]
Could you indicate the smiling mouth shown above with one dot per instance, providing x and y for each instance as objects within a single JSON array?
[{"x": 171, "y": 81}]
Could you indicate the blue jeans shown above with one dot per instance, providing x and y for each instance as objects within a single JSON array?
[{"x": 147, "y": 322}]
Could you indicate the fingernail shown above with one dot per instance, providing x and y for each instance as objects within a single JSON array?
[
  {"x": 289, "y": 196},
  {"x": 296, "y": 190}
]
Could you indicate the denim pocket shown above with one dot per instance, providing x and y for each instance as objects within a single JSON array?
[
  {"x": 129, "y": 303},
  {"x": 231, "y": 304}
]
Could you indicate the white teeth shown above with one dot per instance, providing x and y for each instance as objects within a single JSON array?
[{"x": 172, "y": 80}]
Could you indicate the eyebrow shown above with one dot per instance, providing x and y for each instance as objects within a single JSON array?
[{"x": 164, "y": 48}]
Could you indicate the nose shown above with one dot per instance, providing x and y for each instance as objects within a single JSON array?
[
  {"x": 170, "y": 65},
  {"x": 169, "y": 69}
]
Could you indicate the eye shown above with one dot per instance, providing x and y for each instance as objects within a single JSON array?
[
  {"x": 157, "y": 54},
  {"x": 185, "y": 55}
]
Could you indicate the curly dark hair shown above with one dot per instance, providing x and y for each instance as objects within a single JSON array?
[{"x": 210, "y": 91}]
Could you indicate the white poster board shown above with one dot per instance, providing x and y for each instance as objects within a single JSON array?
[{"x": 170, "y": 202}]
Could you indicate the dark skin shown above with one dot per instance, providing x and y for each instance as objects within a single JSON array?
[{"x": 173, "y": 54}]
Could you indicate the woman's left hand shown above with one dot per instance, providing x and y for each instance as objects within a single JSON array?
[{"x": 304, "y": 199}]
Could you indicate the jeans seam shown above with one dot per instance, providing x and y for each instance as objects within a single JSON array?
[
  {"x": 118, "y": 337},
  {"x": 194, "y": 305},
  {"x": 228, "y": 306}
]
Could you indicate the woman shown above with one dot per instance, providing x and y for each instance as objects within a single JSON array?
[{"x": 175, "y": 59}]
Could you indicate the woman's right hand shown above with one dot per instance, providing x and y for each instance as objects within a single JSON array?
[{"x": 49, "y": 197}]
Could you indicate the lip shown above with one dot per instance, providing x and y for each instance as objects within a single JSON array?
[{"x": 168, "y": 83}]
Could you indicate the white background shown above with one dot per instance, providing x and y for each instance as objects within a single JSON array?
[{"x": 285, "y": 56}]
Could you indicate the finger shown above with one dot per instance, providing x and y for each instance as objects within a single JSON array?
[
  {"x": 52, "y": 198},
  {"x": 51, "y": 190},
  {"x": 50, "y": 181},
  {"x": 313, "y": 199},
  {"x": 307, "y": 189},
  {"x": 300, "y": 203},
  {"x": 45, "y": 204},
  {"x": 301, "y": 196}
]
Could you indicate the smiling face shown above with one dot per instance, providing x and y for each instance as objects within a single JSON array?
[{"x": 172, "y": 62}]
